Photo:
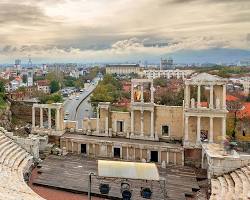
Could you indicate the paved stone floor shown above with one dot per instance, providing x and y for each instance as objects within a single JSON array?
[
  {"x": 71, "y": 173},
  {"x": 54, "y": 194}
]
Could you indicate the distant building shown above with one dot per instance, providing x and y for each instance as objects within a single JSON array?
[
  {"x": 167, "y": 63},
  {"x": 30, "y": 78},
  {"x": 17, "y": 62},
  {"x": 123, "y": 69},
  {"x": 43, "y": 86},
  {"x": 179, "y": 74}
]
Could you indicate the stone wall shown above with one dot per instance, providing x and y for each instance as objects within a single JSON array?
[{"x": 5, "y": 118}]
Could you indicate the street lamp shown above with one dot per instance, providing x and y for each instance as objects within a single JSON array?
[{"x": 89, "y": 186}]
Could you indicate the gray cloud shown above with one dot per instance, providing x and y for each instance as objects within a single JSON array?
[
  {"x": 202, "y": 1},
  {"x": 248, "y": 37},
  {"x": 22, "y": 14}
]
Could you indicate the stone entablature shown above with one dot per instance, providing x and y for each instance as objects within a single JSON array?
[
  {"x": 59, "y": 129},
  {"x": 129, "y": 149}
]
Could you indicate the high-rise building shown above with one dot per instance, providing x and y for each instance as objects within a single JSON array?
[
  {"x": 30, "y": 77},
  {"x": 17, "y": 62},
  {"x": 166, "y": 63}
]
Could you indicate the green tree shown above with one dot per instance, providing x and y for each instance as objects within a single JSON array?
[
  {"x": 54, "y": 86},
  {"x": 25, "y": 78},
  {"x": 2, "y": 88},
  {"x": 53, "y": 98},
  {"x": 108, "y": 90},
  {"x": 2, "y": 95}
]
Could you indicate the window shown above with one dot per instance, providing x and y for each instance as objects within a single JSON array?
[
  {"x": 165, "y": 130},
  {"x": 119, "y": 126}
]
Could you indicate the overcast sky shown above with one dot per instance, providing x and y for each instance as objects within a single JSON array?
[{"x": 113, "y": 30}]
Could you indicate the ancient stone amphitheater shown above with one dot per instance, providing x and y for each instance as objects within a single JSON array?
[
  {"x": 15, "y": 162},
  {"x": 234, "y": 185}
]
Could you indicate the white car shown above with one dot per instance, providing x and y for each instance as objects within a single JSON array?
[
  {"x": 67, "y": 113},
  {"x": 77, "y": 97}
]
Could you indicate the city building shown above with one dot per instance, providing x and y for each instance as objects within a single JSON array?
[
  {"x": 43, "y": 85},
  {"x": 123, "y": 69},
  {"x": 166, "y": 63},
  {"x": 30, "y": 77},
  {"x": 178, "y": 74}
]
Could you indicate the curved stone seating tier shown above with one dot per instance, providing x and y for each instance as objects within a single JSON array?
[
  {"x": 14, "y": 163},
  {"x": 232, "y": 186}
]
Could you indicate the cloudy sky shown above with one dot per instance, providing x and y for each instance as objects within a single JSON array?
[{"x": 120, "y": 30}]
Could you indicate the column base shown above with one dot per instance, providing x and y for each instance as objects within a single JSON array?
[{"x": 185, "y": 142}]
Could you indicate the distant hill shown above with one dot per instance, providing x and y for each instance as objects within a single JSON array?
[{"x": 210, "y": 55}]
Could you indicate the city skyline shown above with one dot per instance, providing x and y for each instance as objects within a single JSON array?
[{"x": 124, "y": 30}]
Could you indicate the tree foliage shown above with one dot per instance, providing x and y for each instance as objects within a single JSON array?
[
  {"x": 2, "y": 88},
  {"x": 25, "y": 78},
  {"x": 54, "y": 86},
  {"x": 2, "y": 95},
  {"x": 171, "y": 98},
  {"x": 108, "y": 90},
  {"x": 53, "y": 98}
]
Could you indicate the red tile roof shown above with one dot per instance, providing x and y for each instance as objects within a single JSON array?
[{"x": 232, "y": 98}]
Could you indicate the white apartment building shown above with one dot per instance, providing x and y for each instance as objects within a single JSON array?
[{"x": 155, "y": 73}]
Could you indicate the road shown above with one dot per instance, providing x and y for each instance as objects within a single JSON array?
[{"x": 78, "y": 109}]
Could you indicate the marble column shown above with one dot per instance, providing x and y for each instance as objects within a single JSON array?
[
  {"x": 127, "y": 153},
  {"x": 142, "y": 122},
  {"x": 132, "y": 92},
  {"x": 33, "y": 117},
  {"x": 152, "y": 124},
  {"x": 140, "y": 153},
  {"x": 93, "y": 148},
  {"x": 167, "y": 157},
  {"x": 186, "y": 129},
  {"x": 41, "y": 117},
  {"x": 175, "y": 158},
  {"x": 49, "y": 118},
  {"x": 187, "y": 96},
  {"x": 152, "y": 93},
  {"x": 224, "y": 91},
  {"x": 57, "y": 119},
  {"x": 148, "y": 155},
  {"x": 142, "y": 97},
  {"x": 121, "y": 152},
  {"x": 199, "y": 96},
  {"x": 106, "y": 125},
  {"x": 211, "y": 103},
  {"x": 159, "y": 156},
  {"x": 87, "y": 148},
  {"x": 97, "y": 120},
  {"x": 211, "y": 130},
  {"x": 223, "y": 125},
  {"x": 198, "y": 137},
  {"x": 132, "y": 123}
]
